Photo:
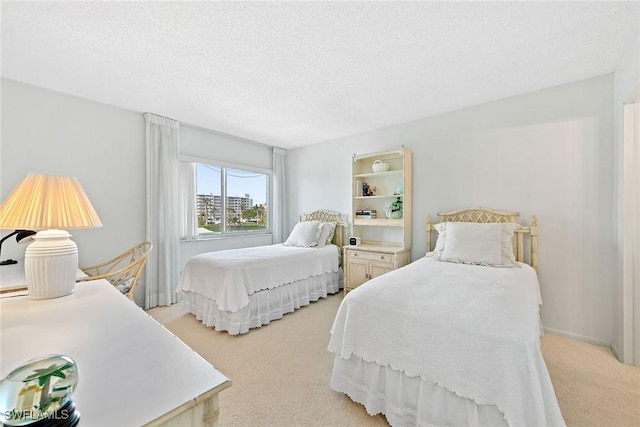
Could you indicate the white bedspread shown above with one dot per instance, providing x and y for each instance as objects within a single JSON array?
[
  {"x": 228, "y": 277},
  {"x": 473, "y": 330}
]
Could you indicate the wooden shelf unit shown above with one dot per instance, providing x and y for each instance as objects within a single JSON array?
[{"x": 385, "y": 243}]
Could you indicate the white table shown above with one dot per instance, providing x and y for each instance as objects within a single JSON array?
[
  {"x": 13, "y": 278},
  {"x": 132, "y": 371}
]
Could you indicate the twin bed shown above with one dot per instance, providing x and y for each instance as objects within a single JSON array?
[
  {"x": 239, "y": 289},
  {"x": 453, "y": 338}
]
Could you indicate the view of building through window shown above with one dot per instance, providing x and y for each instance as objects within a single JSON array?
[{"x": 246, "y": 195}]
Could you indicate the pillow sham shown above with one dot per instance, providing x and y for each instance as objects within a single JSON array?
[
  {"x": 471, "y": 243},
  {"x": 305, "y": 234},
  {"x": 326, "y": 235},
  {"x": 123, "y": 285},
  {"x": 474, "y": 256},
  {"x": 508, "y": 257},
  {"x": 441, "y": 228}
]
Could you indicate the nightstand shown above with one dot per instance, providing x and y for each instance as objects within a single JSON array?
[{"x": 364, "y": 262}]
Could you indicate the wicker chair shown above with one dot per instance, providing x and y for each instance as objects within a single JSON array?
[{"x": 123, "y": 270}]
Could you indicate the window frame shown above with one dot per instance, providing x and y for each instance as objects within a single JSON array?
[{"x": 224, "y": 234}]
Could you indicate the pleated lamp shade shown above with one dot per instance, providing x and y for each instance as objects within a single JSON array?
[
  {"x": 49, "y": 203},
  {"x": 42, "y": 202}
]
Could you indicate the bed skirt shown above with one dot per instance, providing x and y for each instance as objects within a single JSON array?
[
  {"x": 408, "y": 401},
  {"x": 264, "y": 306}
]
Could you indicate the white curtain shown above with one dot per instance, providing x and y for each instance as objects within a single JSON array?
[
  {"x": 636, "y": 232},
  {"x": 279, "y": 211},
  {"x": 163, "y": 209},
  {"x": 188, "y": 213}
]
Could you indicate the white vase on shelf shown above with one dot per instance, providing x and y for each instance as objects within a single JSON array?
[{"x": 391, "y": 214}]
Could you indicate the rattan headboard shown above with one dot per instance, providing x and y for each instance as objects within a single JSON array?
[
  {"x": 485, "y": 215},
  {"x": 328, "y": 216}
]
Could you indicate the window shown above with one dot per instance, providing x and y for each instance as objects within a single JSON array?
[{"x": 246, "y": 195}]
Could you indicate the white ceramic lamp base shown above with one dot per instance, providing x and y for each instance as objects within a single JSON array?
[{"x": 51, "y": 265}]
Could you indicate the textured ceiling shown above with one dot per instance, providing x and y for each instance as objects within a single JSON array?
[{"x": 296, "y": 73}]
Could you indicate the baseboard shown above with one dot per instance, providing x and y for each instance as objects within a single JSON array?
[
  {"x": 616, "y": 352},
  {"x": 578, "y": 337}
]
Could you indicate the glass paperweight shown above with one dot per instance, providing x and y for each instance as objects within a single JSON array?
[{"x": 38, "y": 393}]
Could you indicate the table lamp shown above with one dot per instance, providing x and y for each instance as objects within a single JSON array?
[{"x": 49, "y": 204}]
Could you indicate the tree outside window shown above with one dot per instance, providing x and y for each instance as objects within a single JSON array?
[{"x": 246, "y": 196}]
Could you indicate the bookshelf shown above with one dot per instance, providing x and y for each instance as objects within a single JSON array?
[{"x": 378, "y": 180}]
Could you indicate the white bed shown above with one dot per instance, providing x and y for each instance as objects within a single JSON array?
[
  {"x": 239, "y": 289},
  {"x": 449, "y": 343}
]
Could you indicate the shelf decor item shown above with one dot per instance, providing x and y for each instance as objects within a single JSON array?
[
  {"x": 368, "y": 191},
  {"x": 394, "y": 210},
  {"x": 366, "y": 214},
  {"x": 379, "y": 166},
  {"x": 39, "y": 393}
]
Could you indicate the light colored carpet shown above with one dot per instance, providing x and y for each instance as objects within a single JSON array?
[{"x": 280, "y": 374}]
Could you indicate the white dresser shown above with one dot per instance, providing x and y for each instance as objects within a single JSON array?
[{"x": 132, "y": 371}]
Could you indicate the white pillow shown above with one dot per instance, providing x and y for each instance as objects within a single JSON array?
[
  {"x": 506, "y": 244},
  {"x": 326, "y": 235},
  {"x": 123, "y": 285},
  {"x": 305, "y": 234},
  {"x": 472, "y": 243},
  {"x": 506, "y": 241},
  {"x": 441, "y": 228}
]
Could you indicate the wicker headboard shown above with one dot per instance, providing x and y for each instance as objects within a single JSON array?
[
  {"x": 328, "y": 216},
  {"x": 485, "y": 215}
]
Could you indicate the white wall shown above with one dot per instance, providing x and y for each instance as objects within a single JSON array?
[
  {"x": 46, "y": 132},
  {"x": 548, "y": 153},
  {"x": 213, "y": 145},
  {"x": 627, "y": 83}
]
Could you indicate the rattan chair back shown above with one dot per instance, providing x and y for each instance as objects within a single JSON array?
[{"x": 122, "y": 271}]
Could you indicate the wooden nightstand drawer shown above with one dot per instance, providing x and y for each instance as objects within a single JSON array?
[
  {"x": 362, "y": 265},
  {"x": 370, "y": 256}
]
